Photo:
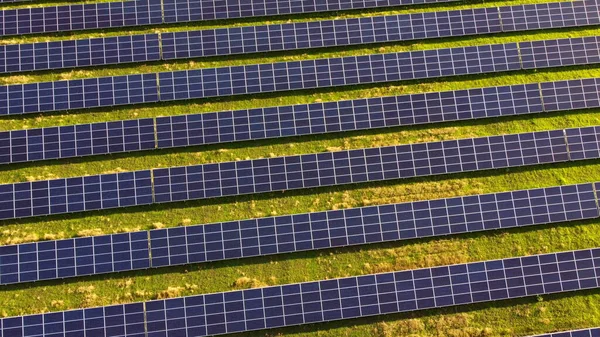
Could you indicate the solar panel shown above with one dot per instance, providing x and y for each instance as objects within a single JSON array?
[
  {"x": 152, "y": 12},
  {"x": 51, "y": 19},
  {"x": 283, "y": 234},
  {"x": 564, "y": 52},
  {"x": 571, "y": 95},
  {"x": 284, "y": 76},
  {"x": 75, "y": 194},
  {"x": 76, "y": 140},
  {"x": 292, "y": 172},
  {"x": 79, "y": 53},
  {"x": 549, "y": 15},
  {"x": 78, "y": 94},
  {"x": 591, "y": 332},
  {"x": 335, "y": 299},
  {"x": 49, "y": 260}
]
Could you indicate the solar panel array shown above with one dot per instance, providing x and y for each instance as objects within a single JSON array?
[
  {"x": 153, "y": 12},
  {"x": 592, "y": 332},
  {"x": 296, "y": 172},
  {"x": 274, "y": 235},
  {"x": 220, "y": 127},
  {"x": 284, "y": 76},
  {"x": 251, "y": 39},
  {"x": 326, "y": 300}
]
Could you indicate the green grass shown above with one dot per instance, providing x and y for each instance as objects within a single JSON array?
[{"x": 505, "y": 318}]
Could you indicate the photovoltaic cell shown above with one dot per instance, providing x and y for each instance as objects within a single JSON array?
[
  {"x": 79, "y": 53},
  {"x": 75, "y": 141},
  {"x": 75, "y": 194},
  {"x": 78, "y": 94},
  {"x": 150, "y": 12},
  {"x": 343, "y": 298},
  {"x": 284, "y": 76},
  {"x": 592, "y": 332},
  {"x": 286, "y": 173},
  {"x": 74, "y": 257}
]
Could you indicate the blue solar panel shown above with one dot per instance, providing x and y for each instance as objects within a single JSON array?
[
  {"x": 284, "y": 76},
  {"x": 74, "y": 257},
  {"x": 592, "y": 332},
  {"x": 78, "y": 94},
  {"x": 559, "y": 53},
  {"x": 81, "y": 16},
  {"x": 151, "y": 12},
  {"x": 79, "y": 53},
  {"x": 75, "y": 194},
  {"x": 336, "y": 299},
  {"x": 299, "y": 232},
  {"x": 76, "y": 141},
  {"x": 286, "y": 173},
  {"x": 550, "y": 15},
  {"x": 116, "y": 320}
]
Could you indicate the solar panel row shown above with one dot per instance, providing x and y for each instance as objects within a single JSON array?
[
  {"x": 153, "y": 12},
  {"x": 251, "y": 39},
  {"x": 284, "y": 76},
  {"x": 79, "y": 53},
  {"x": 296, "y": 172},
  {"x": 592, "y": 332},
  {"x": 77, "y": 140},
  {"x": 326, "y": 300},
  {"x": 283, "y": 234},
  {"x": 74, "y": 257},
  {"x": 229, "y": 126},
  {"x": 76, "y": 194}
]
